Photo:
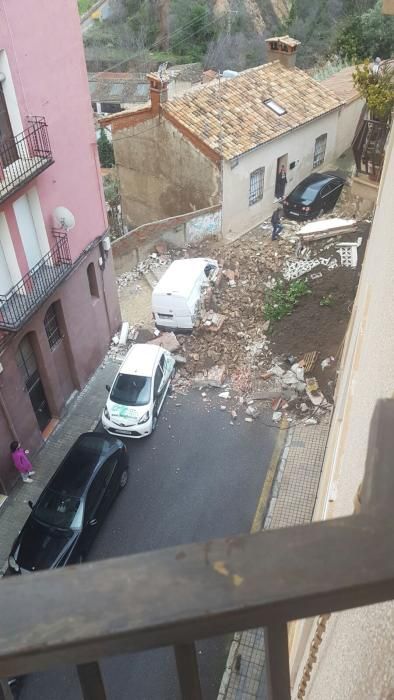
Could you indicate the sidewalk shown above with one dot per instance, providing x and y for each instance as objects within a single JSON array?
[
  {"x": 81, "y": 416},
  {"x": 292, "y": 503}
]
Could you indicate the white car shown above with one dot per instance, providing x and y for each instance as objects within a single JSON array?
[{"x": 138, "y": 391}]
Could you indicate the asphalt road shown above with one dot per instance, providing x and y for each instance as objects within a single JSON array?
[{"x": 196, "y": 478}]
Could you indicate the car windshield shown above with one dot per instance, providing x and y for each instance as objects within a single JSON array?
[
  {"x": 59, "y": 510},
  {"x": 305, "y": 194},
  {"x": 131, "y": 390}
]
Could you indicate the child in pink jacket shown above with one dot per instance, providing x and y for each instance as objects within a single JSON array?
[{"x": 21, "y": 462}]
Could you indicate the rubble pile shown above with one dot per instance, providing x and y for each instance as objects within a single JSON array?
[
  {"x": 230, "y": 357},
  {"x": 152, "y": 262}
]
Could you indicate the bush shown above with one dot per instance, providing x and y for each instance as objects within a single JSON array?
[
  {"x": 106, "y": 150},
  {"x": 281, "y": 300}
]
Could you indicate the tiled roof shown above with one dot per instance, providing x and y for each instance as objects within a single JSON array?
[
  {"x": 231, "y": 118},
  {"x": 118, "y": 88},
  {"x": 341, "y": 84}
]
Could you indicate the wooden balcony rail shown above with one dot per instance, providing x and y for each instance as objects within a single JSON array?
[
  {"x": 179, "y": 595},
  {"x": 368, "y": 147}
]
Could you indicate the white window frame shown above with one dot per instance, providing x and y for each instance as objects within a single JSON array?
[
  {"x": 319, "y": 153},
  {"x": 256, "y": 185}
]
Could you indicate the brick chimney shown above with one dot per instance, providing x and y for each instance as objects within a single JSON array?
[
  {"x": 283, "y": 48},
  {"x": 158, "y": 90}
]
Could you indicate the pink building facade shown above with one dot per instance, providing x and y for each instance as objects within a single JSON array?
[{"x": 58, "y": 300}]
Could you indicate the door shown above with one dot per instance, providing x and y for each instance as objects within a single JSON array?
[
  {"x": 281, "y": 176},
  {"x": 26, "y": 362},
  {"x": 8, "y": 150},
  {"x": 5, "y": 277},
  {"x": 27, "y": 230}
]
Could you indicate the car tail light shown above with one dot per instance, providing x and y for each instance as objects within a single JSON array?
[{"x": 305, "y": 208}]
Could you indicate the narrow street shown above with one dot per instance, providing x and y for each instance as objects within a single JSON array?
[{"x": 198, "y": 477}]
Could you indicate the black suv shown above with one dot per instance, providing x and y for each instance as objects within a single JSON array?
[{"x": 71, "y": 508}]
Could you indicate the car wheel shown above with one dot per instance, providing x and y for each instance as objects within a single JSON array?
[{"x": 124, "y": 478}]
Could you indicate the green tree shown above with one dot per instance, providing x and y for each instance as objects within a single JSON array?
[
  {"x": 106, "y": 150},
  {"x": 367, "y": 35},
  {"x": 193, "y": 28},
  {"x": 377, "y": 90}
]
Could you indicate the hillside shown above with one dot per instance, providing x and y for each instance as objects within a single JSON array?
[{"x": 230, "y": 33}]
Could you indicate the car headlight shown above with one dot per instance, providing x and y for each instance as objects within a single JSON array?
[
  {"x": 144, "y": 418},
  {"x": 106, "y": 413},
  {"x": 13, "y": 563}
]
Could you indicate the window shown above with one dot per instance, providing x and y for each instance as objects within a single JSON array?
[
  {"x": 52, "y": 327},
  {"x": 275, "y": 107},
  {"x": 131, "y": 390},
  {"x": 320, "y": 150},
  {"x": 256, "y": 186},
  {"x": 91, "y": 272}
]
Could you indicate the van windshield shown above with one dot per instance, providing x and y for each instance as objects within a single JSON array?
[{"x": 131, "y": 390}]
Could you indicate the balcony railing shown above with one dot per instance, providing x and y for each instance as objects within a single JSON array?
[
  {"x": 24, "y": 156},
  {"x": 179, "y": 595},
  {"x": 368, "y": 147},
  {"x": 24, "y": 297}
]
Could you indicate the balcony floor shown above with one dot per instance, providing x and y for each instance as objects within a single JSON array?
[
  {"x": 15, "y": 311},
  {"x": 18, "y": 173}
]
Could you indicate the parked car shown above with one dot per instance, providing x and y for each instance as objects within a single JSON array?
[
  {"x": 64, "y": 521},
  {"x": 138, "y": 391},
  {"x": 315, "y": 195}
]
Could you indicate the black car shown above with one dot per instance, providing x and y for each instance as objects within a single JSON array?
[
  {"x": 315, "y": 195},
  {"x": 71, "y": 508}
]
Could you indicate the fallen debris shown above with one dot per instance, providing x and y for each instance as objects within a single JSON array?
[{"x": 168, "y": 341}]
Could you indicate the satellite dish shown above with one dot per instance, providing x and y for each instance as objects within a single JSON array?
[{"x": 63, "y": 218}]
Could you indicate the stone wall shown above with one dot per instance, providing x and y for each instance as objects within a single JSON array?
[
  {"x": 177, "y": 231},
  {"x": 161, "y": 173}
]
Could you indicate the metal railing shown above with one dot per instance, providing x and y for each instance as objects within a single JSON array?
[
  {"x": 179, "y": 595},
  {"x": 368, "y": 147},
  {"x": 32, "y": 289},
  {"x": 24, "y": 156}
]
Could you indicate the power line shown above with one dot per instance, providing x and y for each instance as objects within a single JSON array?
[{"x": 156, "y": 44}]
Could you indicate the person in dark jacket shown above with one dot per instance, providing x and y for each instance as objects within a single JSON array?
[
  {"x": 276, "y": 225},
  {"x": 281, "y": 182}
]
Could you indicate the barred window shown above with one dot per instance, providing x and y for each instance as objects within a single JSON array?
[
  {"x": 256, "y": 185},
  {"x": 320, "y": 150},
  {"x": 52, "y": 327}
]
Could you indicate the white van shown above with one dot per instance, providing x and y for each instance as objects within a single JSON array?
[{"x": 176, "y": 297}]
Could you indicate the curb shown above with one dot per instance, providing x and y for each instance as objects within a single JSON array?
[{"x": 279, "y": 471}]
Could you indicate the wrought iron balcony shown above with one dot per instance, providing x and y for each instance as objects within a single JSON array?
[
  {"x": 176, "y": 596},
  {"x": 24, "y": 297},
  {"x": 23, "y": 157},
  {"x": 368, "y": 147}
]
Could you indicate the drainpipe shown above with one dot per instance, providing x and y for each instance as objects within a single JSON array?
[{"x": 11, "y": 428}]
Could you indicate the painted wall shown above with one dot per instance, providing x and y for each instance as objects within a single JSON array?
[
  {"x": 238, "y": 216},
  {"x": 45, "y": 53},
  {"x": 177, "y": 231},
  {"x": 348, "y": 117},
  {"x": 161, "y": 173},
  {"x": 86, "y": 328},
  {"x": 355, "y": 659}
]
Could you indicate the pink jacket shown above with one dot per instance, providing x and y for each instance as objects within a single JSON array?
[{"x": 20, "y": 461}]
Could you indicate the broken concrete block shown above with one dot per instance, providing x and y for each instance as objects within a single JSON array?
[
  {"x": 248, "y": 419},
  {"x": 276, "y": 416},
  {"x": 289, "y": 378},
  {"x": 168, "y": 341},
  {"x": 224, "y": 395},
  {"x": 311, "y": 421},
  {"x": 277, "y": 371},
  {"x": 180, "y": 359},
  {"x": 252, "y": 411}
]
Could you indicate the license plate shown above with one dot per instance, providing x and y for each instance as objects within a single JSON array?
[{"x": 295, "y": 213}]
